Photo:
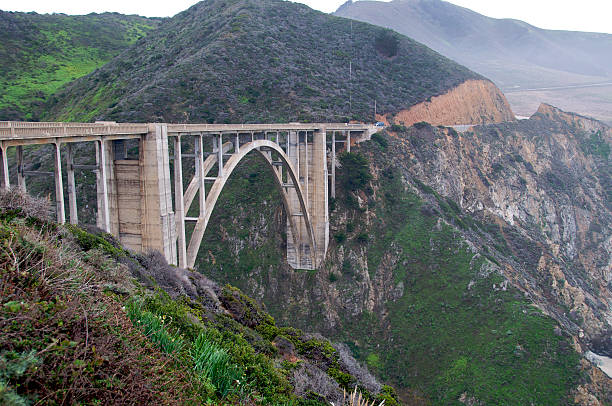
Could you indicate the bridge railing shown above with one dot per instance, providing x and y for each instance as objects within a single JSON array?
[
  {"x": 233, "y": 128},
  {"x": 31, "y": 130}
]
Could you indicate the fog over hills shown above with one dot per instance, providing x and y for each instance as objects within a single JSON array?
[{"x": 518, "y": 57}]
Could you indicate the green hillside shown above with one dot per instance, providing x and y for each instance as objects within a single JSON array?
[
  {"x": 82, "y": 321},
  {"x": 259, "y": 60},
  {"x": 40, "y": 53}
]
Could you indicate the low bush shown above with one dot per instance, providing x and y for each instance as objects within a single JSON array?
[
  {"x": 28, "y": 206},
  {"x": 340, "y": 237},
  {"x": 380, "y": 139}
]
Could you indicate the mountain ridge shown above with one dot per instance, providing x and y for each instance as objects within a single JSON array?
[{"x": 185, "y": 66}]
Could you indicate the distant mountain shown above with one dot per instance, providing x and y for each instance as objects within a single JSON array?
[
  {"x": 260, "y": 60},
  {"x": 514, "y": 54},
  {"x": 41, "y": 52}
]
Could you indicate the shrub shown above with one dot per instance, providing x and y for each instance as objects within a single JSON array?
[
  {"x": 340, "y": 237},
  {"x": 88, "y": 241},
  {"x": 380, "y": 139},
  {"x": 355, "y": 171},
  {"x": 421, "y": 125},
  {"x": 363, "y": 237},
  {"x": 346, "y": 266},
  {"x": 15, "y": 365},
  {"x": 351, "y": 202},
  {"x": 26, "y": 205},
  {"x": 397, "y": 128},
  {"x": 595, "y": 144},
  {"x": 332, "y": 204},
  {"x": 386, "y": 43}
]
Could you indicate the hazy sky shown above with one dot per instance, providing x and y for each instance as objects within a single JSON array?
[{"x": 583, "y": 15}]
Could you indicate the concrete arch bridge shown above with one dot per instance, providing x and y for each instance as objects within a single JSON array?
[{"x": 144, "y": 201}]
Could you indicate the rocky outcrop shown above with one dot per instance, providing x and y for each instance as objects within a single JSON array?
[
  {"x": 472, "y": 102},
  {"x": 510, "y": 213},
  {"x": 547, "y": 179},
  {"x": 572, "y": 119}
]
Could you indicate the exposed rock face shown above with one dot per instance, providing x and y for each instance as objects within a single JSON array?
[
  {"x": 574, "y": 120},
  {"x": 472, "y": 102},
  {"x": 544, "y": 181},
  {"x": 532, "y": 197}
]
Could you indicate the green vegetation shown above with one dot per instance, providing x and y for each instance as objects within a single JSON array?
[
  {"x": 355, "y": 170},
  {"x": 215, "y": 364},
  {"x": 62, "y": 338},
  {"x": 76, "y": 327},
  {"x": 263, "y": 61},
  {"x": 380, "y": 139},
  {"x": 41, "y": 53},
  {"x": 595, "y": 144},
  {"x": 219, "y": 259},
  {"x": 456, "y": 327},
  {"x": 153, "y": 327},
  {"x": 387, "y": 43}
]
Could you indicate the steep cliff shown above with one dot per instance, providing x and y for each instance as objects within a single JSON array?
[
  {"x": 472, "y": 102},
  {"x": 440, "y": 258},
  {"x": 547, "y": 180}
]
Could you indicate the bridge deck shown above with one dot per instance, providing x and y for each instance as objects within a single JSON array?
[{"x": 40, "y": 131}]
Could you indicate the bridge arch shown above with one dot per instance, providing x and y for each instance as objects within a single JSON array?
[{"x": 217, "y": 187}]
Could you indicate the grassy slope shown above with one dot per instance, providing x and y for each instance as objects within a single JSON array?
[
  {"x": 260, "y": 60},
  {"x": 83, "y": 321},
  {"x": 454, "y": 330},
  {"x": 41, "y": 53}
]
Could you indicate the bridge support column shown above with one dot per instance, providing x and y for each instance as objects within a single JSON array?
[
  {"x": 59, "y": 185},
  {"x": 298, "y": 247},
  {"x": 4, "y": 180},
  {"x": 318, "y": 184},
  {"x": 310, "y": 162},
  {"x": 333, "y": 166},
  {"x": 72, "y": 201},
  {"x": 348, "y": 141},
  {"x": 158, "y": 222},
  {"x": 21, "y": 183},
  {"x": 103, "y": 220},
  {"x": 180, "y": 203}
]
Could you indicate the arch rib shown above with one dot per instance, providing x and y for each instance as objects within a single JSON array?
[
  {"x": 194, "y": 185},
  {"x": 215, "y": 191}
]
